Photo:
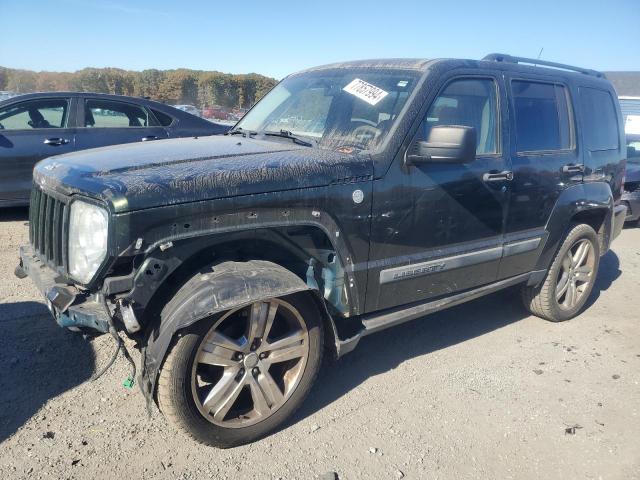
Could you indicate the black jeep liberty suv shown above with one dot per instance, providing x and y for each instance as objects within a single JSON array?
[{"x": 351, "y": 198}]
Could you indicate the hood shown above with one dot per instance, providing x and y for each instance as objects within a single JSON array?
[{"x": 164, "y": 172}]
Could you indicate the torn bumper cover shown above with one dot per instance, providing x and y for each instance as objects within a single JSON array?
[{"x": 69, "y": 307}]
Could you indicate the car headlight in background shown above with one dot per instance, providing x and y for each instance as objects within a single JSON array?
[{"x": 88, "y": 231}]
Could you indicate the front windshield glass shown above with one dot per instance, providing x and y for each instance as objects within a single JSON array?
[{"x": 336, "y": 109}]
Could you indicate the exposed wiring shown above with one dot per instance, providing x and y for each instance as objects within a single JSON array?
[{"x": 113, "y": 359}]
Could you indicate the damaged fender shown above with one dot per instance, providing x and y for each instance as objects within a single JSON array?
[{"x": 216, "y": 289}]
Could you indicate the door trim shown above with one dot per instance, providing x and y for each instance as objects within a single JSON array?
[
  {"x": 440, "y": 265},
  {"x": 461, "y": 260}
]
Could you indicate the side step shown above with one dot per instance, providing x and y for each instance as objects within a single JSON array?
[{"x": 377, "y": 321}]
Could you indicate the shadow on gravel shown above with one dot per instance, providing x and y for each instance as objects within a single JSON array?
[
  {"x": 382, "y": 352},
  {"x": 608, "y": 272},
  {"x": 14, "y": 214},
  {"x": 39, "y": 361}
]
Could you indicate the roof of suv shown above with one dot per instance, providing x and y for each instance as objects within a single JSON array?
[{"x": 502, "y": 61}]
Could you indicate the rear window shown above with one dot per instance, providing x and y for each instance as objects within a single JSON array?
[
  {"x": 543, "y": 116},
  {"x": 600, "y": 119}
]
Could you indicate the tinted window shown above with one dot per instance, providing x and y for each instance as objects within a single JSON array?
[
  {"x": 543, "y": 118},
  {"x": 471, "y": 103},
  {"x": 110, "y": 114},
  {"x": 600, "y": 119},
  {"x": 46, "y": 113},
  {"x": 164, "y": 119}
]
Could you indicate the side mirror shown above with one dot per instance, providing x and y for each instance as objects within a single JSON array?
[{"x": 446, "y": 144}]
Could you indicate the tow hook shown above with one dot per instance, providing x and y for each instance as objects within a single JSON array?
[{"x": 128, "y": 317}]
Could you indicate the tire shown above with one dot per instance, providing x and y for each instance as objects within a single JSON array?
[
  {"x": 551, "y": 300},
  {"x": 205, "y": 391}
]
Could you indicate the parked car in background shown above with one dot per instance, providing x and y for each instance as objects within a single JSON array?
[
  {"x": 237, "y": 113},
  {"x": 630, "y": 108},
  {"x": 38, "y": 125},
  {"x": 354, "y": 197},
  {"x": 216, "y": 112},
  {"x": 189, "y": 109},
  {"x": 631, "y": 195},
  {"x": 5, "y": 94}
]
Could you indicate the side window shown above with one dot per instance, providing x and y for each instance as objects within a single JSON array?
[
  {"x": 467, "y": 102},
  {"x": 164, "y": 119},
  {"x": 111, "y": 114},
  {"x": 599, "y": 119},
  {"x": 45, "y": 113},
  {"x": 543, "y": 116}
]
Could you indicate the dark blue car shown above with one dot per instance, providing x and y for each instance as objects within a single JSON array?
[{"x": 39, "y": 125}]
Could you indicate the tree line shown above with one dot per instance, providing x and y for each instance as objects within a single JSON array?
[{"x": 181, "y": 86}]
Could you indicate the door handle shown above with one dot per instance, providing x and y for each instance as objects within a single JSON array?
[
  {"x": 573, "y": 168},
  {"x": 149, "y": 137},
  {"x": 56, "y": 141},
  {"x": 498, "y": 176}
]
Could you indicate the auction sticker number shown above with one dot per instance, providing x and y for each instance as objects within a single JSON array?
[{"x": 365, "y": 91}]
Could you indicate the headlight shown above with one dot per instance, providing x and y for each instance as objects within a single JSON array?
[{"x": 88, "y": 229}]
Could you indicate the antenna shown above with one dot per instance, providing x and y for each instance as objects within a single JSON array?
[{"x": 540, "y": 54}]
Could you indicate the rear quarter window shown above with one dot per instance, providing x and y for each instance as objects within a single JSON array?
[
  {"x": 163, "y": 119},
  {"x": 599, "y": 119}
]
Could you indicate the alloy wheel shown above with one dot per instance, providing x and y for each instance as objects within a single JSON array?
[
  {"x": 576, "y": 274},
  {"x": 249, "y": 363}
]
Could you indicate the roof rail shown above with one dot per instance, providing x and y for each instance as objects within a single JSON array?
[{"x": 501, "y": 57}]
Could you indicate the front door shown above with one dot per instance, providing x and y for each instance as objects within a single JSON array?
[
  {"x": 110, "y": 122},
  {"x": 30, "y": 131},
  {"x": 437, "y": 227}
]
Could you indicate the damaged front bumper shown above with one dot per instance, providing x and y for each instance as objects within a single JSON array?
[{"x": 70, "y": 307}]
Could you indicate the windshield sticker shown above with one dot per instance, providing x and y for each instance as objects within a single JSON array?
[
  {"x": 365, "y": 91},
  {"x": 403, "y": 83}
]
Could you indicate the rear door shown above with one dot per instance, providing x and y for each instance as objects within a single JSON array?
[
  {"x": 30, "y": 131},
  {"x": 545, "y": 161},
  {"x": 110, "y": 122}
]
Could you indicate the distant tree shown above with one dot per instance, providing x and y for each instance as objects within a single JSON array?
[
  {"x": 4, "y": 78},
  {"x": 22, "y": 81},
  {"x": 147, "y": 83},
  {"x": 200, "y": 88}
]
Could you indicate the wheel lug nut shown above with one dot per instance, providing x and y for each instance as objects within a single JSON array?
[
  {"x": 241, "y": 371},
  {"x": 256, "y": 371},
  {"x": 263, "y": 355},
  {"x": 239, "y": 356}
]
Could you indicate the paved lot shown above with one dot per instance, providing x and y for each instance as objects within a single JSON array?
[{"x": 479, "y": 391}]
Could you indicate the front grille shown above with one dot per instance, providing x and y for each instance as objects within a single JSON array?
[{"x": 47, "y": 217}]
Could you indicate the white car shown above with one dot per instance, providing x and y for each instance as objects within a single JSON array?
[{"x": 189, "y": 109}]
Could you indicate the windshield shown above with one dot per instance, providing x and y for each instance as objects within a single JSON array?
[{"x": 336, "y": 109}]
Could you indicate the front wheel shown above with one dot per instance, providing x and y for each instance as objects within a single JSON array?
[
  {"x": 570, "y": 279},
  {"x": 237, "y": 376}
]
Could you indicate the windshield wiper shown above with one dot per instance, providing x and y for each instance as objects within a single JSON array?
[
  {"x": 240, "y": 131},
  {"x": 288, "y": 134}
]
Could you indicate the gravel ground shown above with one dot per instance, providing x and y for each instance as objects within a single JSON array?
[{"x": 479, "y": 391}]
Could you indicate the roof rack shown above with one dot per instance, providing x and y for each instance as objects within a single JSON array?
[{"x": 501, "y": 57}]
